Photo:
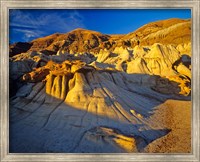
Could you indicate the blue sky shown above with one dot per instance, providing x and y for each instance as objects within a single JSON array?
[{"x": 28, "y": 24}]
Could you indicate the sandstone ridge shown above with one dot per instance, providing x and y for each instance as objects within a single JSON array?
[{"x": 85, "y": 91}]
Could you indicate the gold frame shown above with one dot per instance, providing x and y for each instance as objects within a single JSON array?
[{"x": 5, "y": 156}]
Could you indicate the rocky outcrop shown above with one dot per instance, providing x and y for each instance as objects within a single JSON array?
[
  {"x": 18, "y": 48},
  {"x": 172, "y": 31},
  {"x": 95, "y": 105},
  {"x": 95, "y": 93}
]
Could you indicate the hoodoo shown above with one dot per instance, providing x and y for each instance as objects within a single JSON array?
[{"x": 85, "y": 91}]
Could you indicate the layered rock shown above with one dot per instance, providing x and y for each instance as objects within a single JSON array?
[
  {"x": 84, "y": 91},
  {"x": 171, "y": 31}
]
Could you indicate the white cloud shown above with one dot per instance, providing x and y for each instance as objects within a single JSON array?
[
  {"x": 45, "y": 23},
  {"x": 29, "y": 34}
]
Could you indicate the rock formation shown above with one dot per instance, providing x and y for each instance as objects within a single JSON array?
[{"x": 84, "y": 91}]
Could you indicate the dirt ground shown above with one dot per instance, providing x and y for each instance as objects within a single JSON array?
[{"x": 176, "y": 116}]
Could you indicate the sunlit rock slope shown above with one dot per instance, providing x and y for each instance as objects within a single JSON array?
[{"x": 84, "y": 91}]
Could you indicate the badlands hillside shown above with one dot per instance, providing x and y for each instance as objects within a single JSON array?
[{"x": 88, "y": 92}]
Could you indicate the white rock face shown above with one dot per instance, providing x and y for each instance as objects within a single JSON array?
[
  {"x": 88, "y": 92},
  {"x": 157, "y": 59},
  {"x": 104, "y": 106}
]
